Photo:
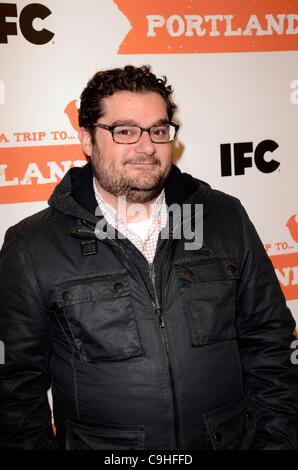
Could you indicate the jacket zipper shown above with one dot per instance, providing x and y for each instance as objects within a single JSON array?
[
  {"x": 159, "y": 313},
  {"x": 156, "y": 302}
]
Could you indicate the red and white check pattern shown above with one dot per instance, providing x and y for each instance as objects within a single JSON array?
[{"x": 159, "y": 220}]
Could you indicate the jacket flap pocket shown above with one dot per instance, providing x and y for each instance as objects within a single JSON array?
[
  {"x": 207, "y": 269},
  {"x": 91, "y": 288},
  {"x": 97, "y": 314},
  {"x": 97, "y": 436},
  {"x": 226, "y": 424},
  {"x": 208, "y": 289}
]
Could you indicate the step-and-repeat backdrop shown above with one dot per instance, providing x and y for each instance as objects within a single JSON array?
[{"x": 234, "y": 68}]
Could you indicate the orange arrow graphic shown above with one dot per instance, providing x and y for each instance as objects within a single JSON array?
[
  {"x": 72, "y": 113},
  {"x": 293, "y": 228}
]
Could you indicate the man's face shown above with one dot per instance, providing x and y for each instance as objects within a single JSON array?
[{"x": 137, "y": 171}]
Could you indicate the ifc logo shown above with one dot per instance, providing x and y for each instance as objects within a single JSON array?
[
  {"x": 28, "y": 14},
  {"x": 242, "y": 161}
]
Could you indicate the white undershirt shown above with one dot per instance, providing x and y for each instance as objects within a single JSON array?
[{"x": 141, "y": 228}]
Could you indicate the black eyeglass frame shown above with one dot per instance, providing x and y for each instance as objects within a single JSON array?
[{"x": 111, "y": 129}]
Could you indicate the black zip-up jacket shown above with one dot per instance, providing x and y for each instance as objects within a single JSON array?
[{"x": 189, "y": 352}]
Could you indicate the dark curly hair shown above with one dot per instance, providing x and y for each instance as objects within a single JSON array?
[{"x": 107, "y": 82}]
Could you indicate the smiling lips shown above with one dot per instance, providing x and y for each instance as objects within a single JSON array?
[{"x": 143, "y": 162}]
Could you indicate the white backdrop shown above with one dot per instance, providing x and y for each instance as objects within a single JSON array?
[{"x": 229, "y": 89}]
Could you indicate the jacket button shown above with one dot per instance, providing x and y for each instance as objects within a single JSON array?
[
  {"x": 188, "y": 273},
  {"x": 118, "y": 286},
  {"x": 67, "y": 295},
  {"x": 232, "y": 268},
  {"x": 248, "y": 414},
  {"x": 218, "y": 436}
]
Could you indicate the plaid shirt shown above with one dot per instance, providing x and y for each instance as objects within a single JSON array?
[{"x": 159, "y": 213}]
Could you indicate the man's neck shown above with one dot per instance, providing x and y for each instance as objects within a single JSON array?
[{"x": 128, "y": 211}]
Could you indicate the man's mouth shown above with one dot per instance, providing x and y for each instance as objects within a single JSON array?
[{"x": 143, "y": 162}]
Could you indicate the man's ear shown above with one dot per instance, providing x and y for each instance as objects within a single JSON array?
[{"x": 85, "y": 139}]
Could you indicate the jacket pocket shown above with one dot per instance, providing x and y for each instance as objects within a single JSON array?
[
  {"x": 231, "y": 427},
  {"x": 208, "y": 293},
  {"x": 95, "y": 436},
  {"x": 97, "y": 313}
]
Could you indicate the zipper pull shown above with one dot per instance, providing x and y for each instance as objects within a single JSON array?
[
  {"x": 159, "y": 315},
  {"x": 151, "y": 271},
  {"x": 156, "y": 304},
  {"x": 160, "y": 319}
]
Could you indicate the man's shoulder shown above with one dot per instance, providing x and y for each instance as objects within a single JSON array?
[
  {"x": 222, "y": 208},
  {"x": 35, "y": 223},
  {"x": 214, "y": 196},
  {"x": 220, "y": 197},
  {"x": 189, "y": 187}
]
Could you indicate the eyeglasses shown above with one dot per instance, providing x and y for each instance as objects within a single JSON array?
[{"x": 162, "y": 134}]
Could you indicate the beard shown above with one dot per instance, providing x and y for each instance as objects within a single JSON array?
[{"x": 141, "y": 188}]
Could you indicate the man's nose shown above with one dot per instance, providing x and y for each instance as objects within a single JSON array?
[{"x": 145, "y": 144}]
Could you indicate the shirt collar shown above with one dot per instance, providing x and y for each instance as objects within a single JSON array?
[{"x": 158, "y": 210}]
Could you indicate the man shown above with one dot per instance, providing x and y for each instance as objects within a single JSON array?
[{"x": 153, "y": 339}]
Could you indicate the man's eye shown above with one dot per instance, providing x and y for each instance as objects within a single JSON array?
[
  {"x": 125, "y": 131},
  {"x": 160, "y": 131}
]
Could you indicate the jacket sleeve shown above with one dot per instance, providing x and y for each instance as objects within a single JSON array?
[
  {"x": 24, "y": 331},
  {"x": 265, "y": 328}
]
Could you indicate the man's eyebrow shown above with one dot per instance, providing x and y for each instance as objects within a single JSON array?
[{"x": 131, "y": 122}]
